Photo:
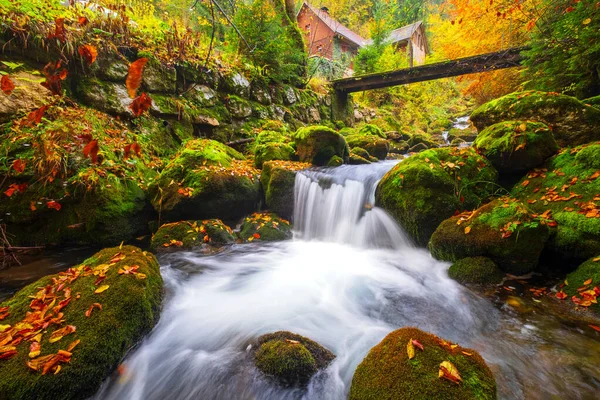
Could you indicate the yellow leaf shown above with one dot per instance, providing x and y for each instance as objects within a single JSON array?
[
  {"x": 467, "y": 230},
  {"x": 101, "y": 289},
  {"x": 3, "y": 328},
  {"x": 410, "y": 349},
  {"x": 450, "y": 372},
  {"x": 586, "y": 21},
  {"x": 523, "y": 127}
]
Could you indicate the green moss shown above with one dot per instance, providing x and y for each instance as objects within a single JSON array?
[
  {"x": 317, "y": 144},
  {"x": 131, "y": 304},
  {"x": 347, "y": 131},
  {"x": 272, "y": 145},
  {"x": 477, "y": 270},
  {"x": 289, "y": 358},
  {"x": 588, "y": 270},
  {"x": 265, "y": 226},
  {"x": 572, "y": 122},
  {"x": 566, "y": 188},
  {"x": 504, "y": 230},
  {"x": 190, "y": 234},
  {"x": 277, "y": 180},
  {"x": 355, "y": 159},
  {"x": 423, "y": 138},
  {"x": 515, "y": 146},
  {"x": 423, "y": 190},
  {"x": 386, "y": 373},
  {"x": 335, "y": 161},
  {"x": 374, "y": 145},
  {"x": 359, "y": 151},
  {"x": 370, "y": 129},
  {"x": 592, "y": 101}
]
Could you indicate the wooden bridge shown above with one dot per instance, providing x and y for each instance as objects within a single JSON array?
[{"x": 468, "y": 65}]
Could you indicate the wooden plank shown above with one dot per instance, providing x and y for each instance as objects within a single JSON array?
[{"x": 469, "y": 65}]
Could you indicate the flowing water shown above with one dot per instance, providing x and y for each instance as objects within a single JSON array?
[{"x": 349, "y": 277}]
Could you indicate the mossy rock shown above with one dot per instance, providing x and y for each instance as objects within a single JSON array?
[
  {"x": 69, "y": 198},
  {"x": 567, "y": 187},
  {"x": 359, "y": 151},
  {"x": 290, "y": 359},
  {"x": 317, "y": 144},
  {"x": 190, "y": 234},
  {"x": 130, "y": 308},
  {"x": 475, "y": 270},
  {"x": 468, "y": 134},
  {"x": 417, "y": 148},
  {"x": 374, "y": 145},
  {"x": 347, "y": 131},
  {"x": 399, "y": 147},
  {"x": 370, "y": 129},
  {"x": 265, "y": 226},
  {"x": 516, "y": 146},
  {"x": 419, "y": 138},
  {"x": 504, "y": 230},
  {"x": 588, "y": 270},
  {"x": 572, "y": 122},
  {"x": 387, "y": 373},
  {"x": 278, "y": 179},
  {"x": 592, "y": 101},
  {"x": 425, "y": 189},
  {"x": 457, "y": 142},
  {"x": 108, "y": 97},
  {"x": 272, "y": 145},
  {"x": 335, "y": 161},
  {"x": 355, "y": 159},
  {"x": 206, "y": 179}
]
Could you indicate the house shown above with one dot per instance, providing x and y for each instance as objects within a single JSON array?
[{"x": 330, "y": 39}]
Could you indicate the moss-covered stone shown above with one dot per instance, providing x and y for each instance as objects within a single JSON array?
[
  {"x": 572, "y": 122},
  {"x": 108, "y": 97},
  {"x": 190, "y": 234},
  {"x": 265, "y": 226},
  {"x": 586, "y": 271},
  {"x": 272, "y": 145},
  {"x": 370, "y": 129},
  {"x": 504, "y": 230},
  {"x": 423, "y": 190},
  {"x": 417, "y": 148},
  {"x": 567, "y": 189},
  {"x": 290, "y": 359},
  {"x": 130, "y": 308},
  {"x": 387, "y": 373},
  {"x": 277, "y": 180},
  {"x": 374, "y": 145},
  {"x": 476, "y": 270},
  {"x": 423, "y": 138},
  {"x": 355, "y": 159},
  {"x": 592, "y": 101},
  {"x": 516, "y": 146},
  {"x": 317, "y": 144},
  {"x": 335, "y": 161},
  {"x": 206, "y": 179},
  {"x": 399, "y": 147}
]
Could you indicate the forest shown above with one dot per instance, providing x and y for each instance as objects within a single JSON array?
[{"x": 211, "y": 199}]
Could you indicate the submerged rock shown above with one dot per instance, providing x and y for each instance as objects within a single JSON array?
[
  {"x": 128, "y": 304},
  {"x": 290, "y": 359},
  {"x": 567, "y": 191},
  {"x": 516, "y": 146},
  {"x": 277, "y": 180},
  {"x": 388, "y": 373},
  {"x": 206, "y": 179},
  {"x": 589, "y": 271},
  {"x": 425, "y": 189},
  {"x": 504, "y": 230},
  {"x": 190, "y": 234},
  {"x": 476, "y": 270},
  {"x": 265, "y": 226},
  {"x": 317, "y": 144},
  {"x": 572, "y": 122}
]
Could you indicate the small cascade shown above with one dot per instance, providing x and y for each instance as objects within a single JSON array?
[
  {"x": 461, "y": 123},
  {"x": 337, "y": 205}
]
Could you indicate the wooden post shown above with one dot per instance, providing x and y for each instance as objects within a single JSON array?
[{"x": 410, "y": 53}]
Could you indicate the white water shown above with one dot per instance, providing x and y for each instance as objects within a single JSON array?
[{"x": 348, "y": 278}]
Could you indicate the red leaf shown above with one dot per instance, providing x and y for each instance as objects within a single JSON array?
[
  {"x": 91, "y": 150},
  {"x": 88, "y": 52},
  {"x": 132, "y": 148},
  {"x": 256, "y": 236},
  {"x": 140, "y": 104},
  {"x": 418, "y": 344},
  {"x": 89, "y": 310},
  {"x": 594, "y": 327},
  {"x": 35, "y": 117},
  {"x": 134, "y": 76},
  {"x": 7, "y": 85},
  {"x": 59, "y": 30},
  {"x": 15, "y": 188},
  {"x": 54, "y": 205},
  {"x": 18, "y": 166},
  {"x": 54, "y": 75},
  {"x": 83, "y": 21}
]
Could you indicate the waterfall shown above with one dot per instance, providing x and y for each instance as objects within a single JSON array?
[{"x": 337, "y": 205}]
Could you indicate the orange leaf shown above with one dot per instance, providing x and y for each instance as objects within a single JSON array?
[
  {"x": 88, "y": 52},
  {"x": 91, "y": 150},
  {"x": 140, "y": 104},
  {"x": 18, "y": 166},
  {"x": 134, "y": 76},
  {"x": 467, "y": 230},
  {"x": 73, "y": 344},
  {"x": 83, "y": 21},
  {"x": 89, "y": 310},
  {"x": 561, "y": 295},
  {"x": 7, "y": 85},
  {"x": 256, "y": 236},
  {"x": 525, "y": 183},
  {"x": 14, "y": 187},
  {"x": 54, "y": 75},
  {"x": 587, "y": 282},
  {"x": 54, "y": 205},
  {"x": 59, "y": 30},
  {"x": 60, "y": 333},
  {"x": 594, "y": 327},
  {"x": 35, "y": 117},
  {"x": 34, "y": 349}
]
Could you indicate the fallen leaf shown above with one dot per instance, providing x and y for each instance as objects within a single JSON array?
[
  {"x": 7, "y": 85},
  {"x": 34, "y": 349},
  {"x": 54, "y": 75},
  {"x": 91, "y": 151},
  {"x": 59, "y": 30},
  {"x": 587, "y": 282},
  {"x": 54, "y": 205},
  {"x": 88, "y": 52},
  {"x": 60, "y": 333},
  {"x": 101, "y": 289},
  {"x": 467, "y": 230},
  {"x": 73, "y": 344},
  {"x": 256, "y": 236},
  {"x": 140, "y": 104},
  {"x": 19, "y": 166},
  {"x": 586, "y": 21},
  {"x": 35, "y": 117},
  {"x": 450, "y": 372},
  {"x": 594, "y": 327},
  {"x": 82, "y": 21},
  {"x": 418, "y": 344},
  {"x": 410, "y": 349},
  {"x": 134, "y": 76},
  {"x": 89, "y": 310}
]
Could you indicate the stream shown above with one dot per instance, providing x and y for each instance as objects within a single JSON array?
[{"x": 348, "y": 278}]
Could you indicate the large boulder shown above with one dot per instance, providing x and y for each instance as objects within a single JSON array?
[
  {"x": 318, "y": 144},
  {"x": 84, "y": 321},
  {"x": 374, "y": 130},
  {"x": 567, "y": 190},
  {"x": 206, "y": 179},
  {"x": 74, "y": 178},
  {"x": 374, "y": 145},
  {"x": 425, "y": 189},
  {"x": 505, "y": 230},
  {"x": 190, "y": 234},
  {"x": 290, "y": 359},
  {"x": 516, "y": 146},
  {"x": 572, "y": 122},
  {"x": 475, "y": 270},
  {"x": 272, "y": 145},
  {"x": 583, "y": 287},
  {"x": 265, "y": 226},
  {"x": 278, "y": 179},
  {"x": 388, "y": 373}
]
